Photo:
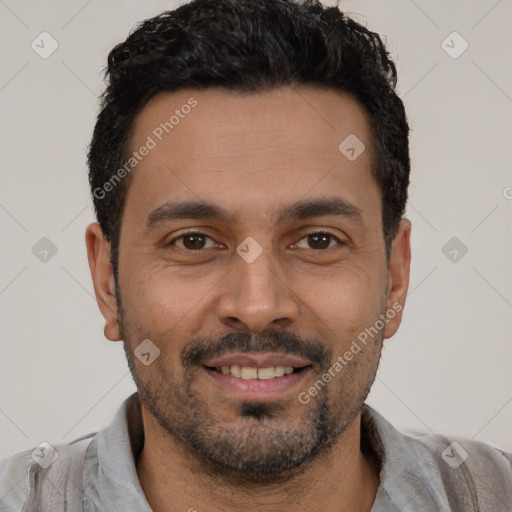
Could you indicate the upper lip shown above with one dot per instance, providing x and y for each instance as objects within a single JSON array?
[{"x": 257, "y": 360}]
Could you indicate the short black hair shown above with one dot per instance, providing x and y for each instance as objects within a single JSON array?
[{"x": 248, "y": 46}]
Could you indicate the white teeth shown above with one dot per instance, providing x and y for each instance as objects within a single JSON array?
[
  {"x": 279, "y": 371},
  {"x": 266, "y": 373},
  {"x": 250, "y": 373}
]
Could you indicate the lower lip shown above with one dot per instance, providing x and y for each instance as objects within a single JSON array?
[{"x": 253, "y": 389}]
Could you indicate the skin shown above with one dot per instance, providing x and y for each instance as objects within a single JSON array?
[{"x": 252, "y": 155}]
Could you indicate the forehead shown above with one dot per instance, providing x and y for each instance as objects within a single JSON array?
[{"x": 258, "y": 148}]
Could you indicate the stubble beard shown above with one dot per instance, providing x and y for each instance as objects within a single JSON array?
[{"x": 263, "y": 447}]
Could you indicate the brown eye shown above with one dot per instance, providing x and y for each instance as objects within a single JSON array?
[
  {"x": 192, "y": 241},
  {"x": 319, "y": 240}
]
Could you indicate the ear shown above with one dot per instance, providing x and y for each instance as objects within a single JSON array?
[
  {"x": 398, "y": 277},
  {"x": 98, "y": 253}
]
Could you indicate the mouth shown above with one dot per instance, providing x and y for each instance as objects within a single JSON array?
[
  {"x": 253, "y": 373},
  {"x": 257, "y": 376}
]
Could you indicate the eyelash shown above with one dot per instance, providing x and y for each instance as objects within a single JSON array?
[{"x": 318, "y": 232}]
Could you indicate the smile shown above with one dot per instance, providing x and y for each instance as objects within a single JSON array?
[
  {"x": 250, "y": 383},
  {"x": 252, "y": 373}
]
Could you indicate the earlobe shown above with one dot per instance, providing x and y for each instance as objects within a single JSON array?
[
  {"x": 398, "y": 277},
  {"x": 98, "y": 254}
]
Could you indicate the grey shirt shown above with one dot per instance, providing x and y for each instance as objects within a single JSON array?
[{"x": 97, "y": 472}]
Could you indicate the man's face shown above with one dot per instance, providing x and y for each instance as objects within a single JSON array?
[{"x": 303, "y": 284}]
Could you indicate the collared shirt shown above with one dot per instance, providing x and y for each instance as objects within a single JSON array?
[{"x": 97, "y": 472}]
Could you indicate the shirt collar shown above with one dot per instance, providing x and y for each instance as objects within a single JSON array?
[
  {"x": 409, "y": 476},
  {"x": 110, "y": 474}
]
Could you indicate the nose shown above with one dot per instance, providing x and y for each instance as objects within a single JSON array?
[{"x": 255, "y": 296}]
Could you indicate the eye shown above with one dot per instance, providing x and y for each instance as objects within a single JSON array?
[
  {"x": 197, "y": 241},
  {"x": 319, "y": 240},
  {"x": 192, "y": 241}
]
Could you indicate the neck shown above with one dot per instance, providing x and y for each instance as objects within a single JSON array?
[{"x": 344, "y": 479}]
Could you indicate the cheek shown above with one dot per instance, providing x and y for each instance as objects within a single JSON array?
[
  {"x": 342, "y": 298},
  {"x": 345, "y": 298},
  {"x": 166, "y": 300}
]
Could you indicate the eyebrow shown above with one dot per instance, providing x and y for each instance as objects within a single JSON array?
[{"x": 300, "y": 210}]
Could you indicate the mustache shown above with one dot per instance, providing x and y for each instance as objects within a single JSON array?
[{"x": 200, "y": 350}]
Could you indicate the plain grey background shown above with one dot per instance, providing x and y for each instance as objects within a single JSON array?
[{"x": 449, "y": 367}]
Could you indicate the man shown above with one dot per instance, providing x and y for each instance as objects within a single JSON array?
[{"x": 249, "y": 170}]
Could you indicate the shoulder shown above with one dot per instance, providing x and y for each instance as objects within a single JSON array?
[
  {"x": 428, "y": 471},
  {"x": 470, "y": 471},
  {"x": 456, "y": 451},
  {"x": 20, "y": 473},
  {"x": 14, "y": 481}
]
